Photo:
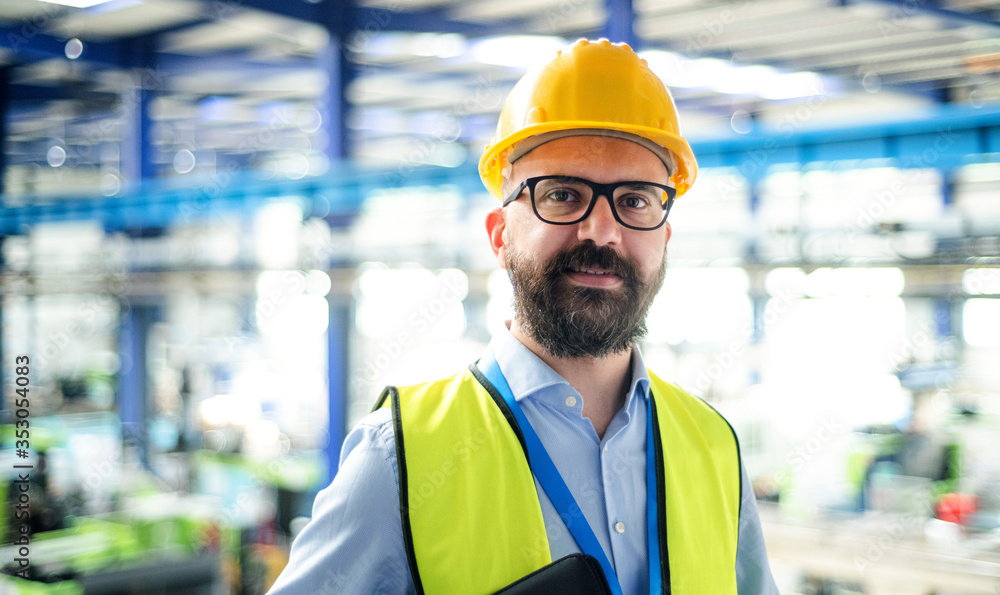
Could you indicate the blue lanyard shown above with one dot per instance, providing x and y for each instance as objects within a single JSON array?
[{"x": 562, "y": 499}]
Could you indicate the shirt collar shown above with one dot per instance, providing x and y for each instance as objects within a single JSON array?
[{"x": 527, "y": 374}]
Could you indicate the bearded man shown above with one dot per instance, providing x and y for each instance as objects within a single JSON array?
[{"x": 556, "y": 463}]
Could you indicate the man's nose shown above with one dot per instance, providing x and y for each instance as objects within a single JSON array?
[{"x": 600, "y": 226}]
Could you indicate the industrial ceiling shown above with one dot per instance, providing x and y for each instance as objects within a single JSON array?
[{"x": 254, "y": 84}]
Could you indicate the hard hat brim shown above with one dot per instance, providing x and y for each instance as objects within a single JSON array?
[
  {"x": 532, "y": 142},
  {"x": 493, "y": 161}
]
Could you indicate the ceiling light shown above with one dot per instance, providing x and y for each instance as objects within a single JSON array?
[
  {"x": 673, "y": 69},
  {"x": 981, "y": 322},
  {"x": 855, "y": 282},
  {"x": 793, "y": 84},
  {"x": 516, "y": 50},
  {"x": 446, "y": 45},
  {"x": 706, "y": 72},
  {"x": 727, "y": 77},
  {"x": 740, "y": 80},
  {"x": 77, "y": 3}
]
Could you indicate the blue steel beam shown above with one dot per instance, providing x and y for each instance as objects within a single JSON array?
[
  {"x": 338, "y": 372},
  {"x": 156, "y": 34},
  {"x": 340, "y": 25},
  {"x": 33, "y": 94},
  {"x": 161, "y": 204},
  {"x": 137, "y": 146},
  {"x": 433, "y": 21},
  {"x": 133, "y": 385},
  {"x": 117, "y": 54},
  {"x": 619, "y": 22},
  {"x": 304, "y": 11},
  {"x": 26, "y": 46},
  {"x": 334, "y": 60},
  {"x": 946, "y": 138},
  {"x": 230, "y": 61},
  {"x": 29, "y": 43}
]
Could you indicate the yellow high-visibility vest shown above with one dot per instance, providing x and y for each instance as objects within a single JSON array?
[{"x": 472, "y": 522}]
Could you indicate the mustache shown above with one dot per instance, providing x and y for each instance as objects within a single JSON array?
[{"x": 589, "y": 255}]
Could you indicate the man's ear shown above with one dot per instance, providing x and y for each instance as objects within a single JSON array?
[
  {"x": 496, "y": 225},
  {"x": 670, "y": 231}
]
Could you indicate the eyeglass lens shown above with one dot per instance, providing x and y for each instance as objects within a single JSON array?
[{"x": 564, "y": 200}]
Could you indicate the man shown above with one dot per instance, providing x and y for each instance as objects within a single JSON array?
[{"x": 558, "y": 440}]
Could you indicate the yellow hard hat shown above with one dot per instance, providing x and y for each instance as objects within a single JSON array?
[{"x": 595, "y": 87}]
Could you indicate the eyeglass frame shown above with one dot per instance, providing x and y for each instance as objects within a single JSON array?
[{"x": 599, "y": 190}]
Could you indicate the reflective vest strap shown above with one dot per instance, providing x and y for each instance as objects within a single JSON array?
[
  {"x": 384, "y": 397},
  {"x": 702, "y": 479},
  {"x": 471, "y": 505},
  {"x": 392, "y": 395},
  {"x": 661, "y": 510}
]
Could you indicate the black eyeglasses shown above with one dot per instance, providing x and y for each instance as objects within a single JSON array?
[{"x": 564, "y": 200}]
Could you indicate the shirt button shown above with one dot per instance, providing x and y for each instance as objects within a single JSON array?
[
  {"x": 570, "y": 401},
  {"x": 605, "y": 448},
  {"x": 620, "y": 527}
]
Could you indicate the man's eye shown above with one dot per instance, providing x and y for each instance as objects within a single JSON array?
[
  {"x": 561, "y": 195},
  {"x": 635, "y": 201}
]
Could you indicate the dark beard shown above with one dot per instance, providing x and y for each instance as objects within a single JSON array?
[{"x": 570, "y": 321}]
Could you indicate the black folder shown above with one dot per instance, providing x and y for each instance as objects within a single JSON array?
[{"x": 575, "y": 574}]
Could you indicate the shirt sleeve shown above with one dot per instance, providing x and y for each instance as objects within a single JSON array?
[
  {"x": 354, "y": 541},
  {"x": 753, "y": 573}
]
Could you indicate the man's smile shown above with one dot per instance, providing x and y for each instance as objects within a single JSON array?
[{"x": 593, "y": 277}]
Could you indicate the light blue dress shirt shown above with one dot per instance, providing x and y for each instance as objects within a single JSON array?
[{"x": 354, "y": 542}]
